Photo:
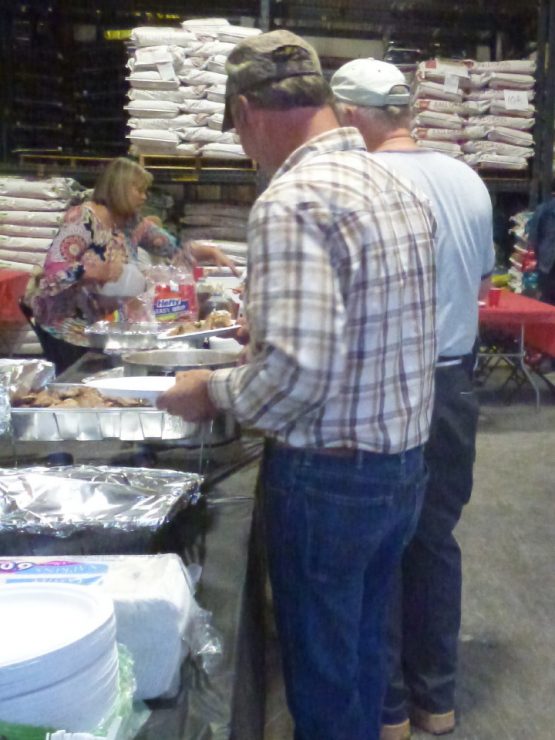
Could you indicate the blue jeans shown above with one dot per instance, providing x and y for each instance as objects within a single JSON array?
[
  {"x": 425, "y": 616},
  {"x": 335, "y": 529}
]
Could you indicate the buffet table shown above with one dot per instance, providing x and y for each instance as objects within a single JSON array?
[
  {"x": 222, "y": 696},
  {"x": 530, "y": 322}
]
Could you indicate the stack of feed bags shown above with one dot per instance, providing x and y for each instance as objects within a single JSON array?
[
  {"x": 479, "y": 111},
  {"x": 30, "y": 214},
  {"x": 509, "y": 119},
  {"x": 177, "y": 88},
  {"x": 208, "y": 220},
  {"x": 438, "y": 112}
]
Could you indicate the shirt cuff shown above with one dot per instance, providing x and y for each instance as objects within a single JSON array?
[{"x": 219, "y": 388}]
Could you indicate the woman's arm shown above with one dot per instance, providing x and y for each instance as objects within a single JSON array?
[
  {"x": 154, "y": 238},
  {"x": 208, "y": 253},
  {"x": 157, "y": 240}
]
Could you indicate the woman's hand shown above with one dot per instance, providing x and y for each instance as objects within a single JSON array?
[
  {"x": 203, "y": 252},
  {"x": 156, "y": 220}
]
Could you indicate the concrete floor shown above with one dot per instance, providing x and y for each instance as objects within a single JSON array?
[{"x": 506, "y": 684}]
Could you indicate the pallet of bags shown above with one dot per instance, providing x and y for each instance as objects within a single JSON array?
[
  {"x": 509, "y": 119},
  {"x": 438, "y": 116},
  {"x": 31, "y": 211},
  {"x": 177, "y": 88},
  {"x": 207, "y": 220},
  {"x": 481, "y": 112}
]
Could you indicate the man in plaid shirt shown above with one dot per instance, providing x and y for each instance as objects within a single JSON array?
[{"x": 340, "y": 304}]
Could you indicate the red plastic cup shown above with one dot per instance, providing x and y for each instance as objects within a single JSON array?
[{"x": 494, "y": 296}]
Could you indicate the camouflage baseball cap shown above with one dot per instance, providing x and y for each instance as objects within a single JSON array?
[{"x": 268, "y": 57}]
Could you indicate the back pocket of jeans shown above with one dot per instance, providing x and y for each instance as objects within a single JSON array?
[{"x": 343, "y": 532}]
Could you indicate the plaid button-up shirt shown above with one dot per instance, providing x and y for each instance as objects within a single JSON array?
[{"x": 340, "y": 305}]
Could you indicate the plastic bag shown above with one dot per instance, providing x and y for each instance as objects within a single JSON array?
[{"x": 171, "y": 293}]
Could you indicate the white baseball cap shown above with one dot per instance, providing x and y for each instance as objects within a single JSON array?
[{"x": 368, "y": 82}]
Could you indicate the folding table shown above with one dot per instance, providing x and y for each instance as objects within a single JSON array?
[{"x": 531, "y": 322}]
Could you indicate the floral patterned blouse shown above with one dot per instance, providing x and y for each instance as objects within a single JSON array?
[{"x": 62, "y": 303}]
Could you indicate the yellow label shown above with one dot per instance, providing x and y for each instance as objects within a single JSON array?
[{"x": 119, "y": 34}]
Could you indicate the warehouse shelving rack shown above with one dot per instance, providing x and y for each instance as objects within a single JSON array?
[
  {"x": 501, "y": 24},
  {"x": 169, "y": 169}
]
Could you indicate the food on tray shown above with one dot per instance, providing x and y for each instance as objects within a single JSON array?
[
  {"x": 215, "y": 320},
  {"x": 218, "y": 320},
  {"x": 184, "y": 327},
  {"x": 76, "y": 398}
]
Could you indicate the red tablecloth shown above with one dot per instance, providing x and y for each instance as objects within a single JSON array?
[
  {"x": 12, "y": 287},
  {"x": 515, "y": 311}
]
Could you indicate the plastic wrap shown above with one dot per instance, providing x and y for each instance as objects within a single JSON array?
[{"x": 61, "y": 501}]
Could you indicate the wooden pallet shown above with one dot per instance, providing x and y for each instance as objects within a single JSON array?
[
  {"x": 45, "y": 163},
  {"x": 193, "y": 164},
  {"x": 184, "y": 168}
]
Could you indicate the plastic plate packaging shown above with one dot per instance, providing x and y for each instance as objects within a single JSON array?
[
  {"x": 67, "y": 674},
  {"x": 156, "y": 616}
]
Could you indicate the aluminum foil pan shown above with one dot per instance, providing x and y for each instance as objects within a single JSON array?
[
  {"x": 129, "y": 425},
  {"x": 166, "y": 362},
  {"x": 121, "y": 336},
  {"x": 62, "y": 500}
]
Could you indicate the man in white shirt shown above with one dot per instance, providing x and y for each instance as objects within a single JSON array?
[{"x": 426, "y": 609}]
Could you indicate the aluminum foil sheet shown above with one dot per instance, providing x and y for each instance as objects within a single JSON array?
[
  {"x": 61, "y": 501},
  {"x": 5, "y": 410},
  {"x": 23, "y": 376}
]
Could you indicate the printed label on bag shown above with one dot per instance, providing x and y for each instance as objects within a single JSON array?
[
  {"x": 174, "y": 303},
  {"x": 515, "y": 99},
  {"x": 51, "y": 571}
]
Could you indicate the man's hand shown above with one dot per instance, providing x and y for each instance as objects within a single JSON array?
[
  {"x": 242, "y": 333},
  {"x": 189, "y": 397}
]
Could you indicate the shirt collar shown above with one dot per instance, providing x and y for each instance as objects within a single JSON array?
[{"x": 335, "y": 140}]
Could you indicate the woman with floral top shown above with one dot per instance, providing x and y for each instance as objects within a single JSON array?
[{"x": 95, "y": 241}]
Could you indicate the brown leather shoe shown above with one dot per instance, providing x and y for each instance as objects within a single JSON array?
[
  {"x": 435, "y": 724},
  {"x": 396, "y": 732}
]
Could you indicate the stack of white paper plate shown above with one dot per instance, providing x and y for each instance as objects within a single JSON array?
[{"x": 58, "y": 656}]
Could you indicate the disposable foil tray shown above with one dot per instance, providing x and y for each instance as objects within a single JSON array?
[
  {"x": 122, "y": 336},
  {"x": 88, "y": 425}
]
